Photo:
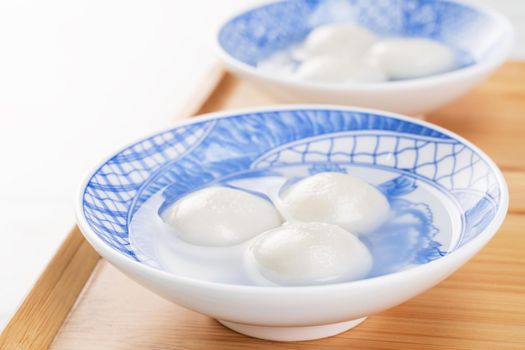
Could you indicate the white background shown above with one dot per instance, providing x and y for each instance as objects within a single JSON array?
[{"x": 79, "y": 78}]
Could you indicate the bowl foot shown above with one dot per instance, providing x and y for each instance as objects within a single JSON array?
[{"x": 292, "y": 333}]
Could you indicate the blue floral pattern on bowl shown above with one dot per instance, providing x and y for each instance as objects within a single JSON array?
[
  {"x": 408, "y": 237},
  {"x": 256, "y": 34},
  {"x": 260, "y": 143}
]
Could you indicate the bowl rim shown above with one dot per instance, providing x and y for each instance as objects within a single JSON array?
[
  {"x": 120, "y": 259},
  {"x": 477, "y": 68}
]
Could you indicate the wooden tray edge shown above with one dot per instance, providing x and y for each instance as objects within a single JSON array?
[{"x": 43, "y": 311}]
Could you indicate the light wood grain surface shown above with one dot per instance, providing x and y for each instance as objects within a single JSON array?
[
  {"x": 482, "y": 306},
  {"x": 38, "y": 319}
]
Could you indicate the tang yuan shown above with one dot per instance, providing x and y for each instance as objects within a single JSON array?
[
  {"x": 408, "y": 58},
  {"x": 336, "y": 68},
  {"x": 221, "y": 216},
  {"x": 335, "y": 198},
  {"x": 340, "y": 39},
  {"x": 310, "y": 253}
]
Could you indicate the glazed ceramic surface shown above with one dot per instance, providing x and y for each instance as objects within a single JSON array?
[
  {"x": 448, "y": 196},
  {"x": 482, "y": 36}
]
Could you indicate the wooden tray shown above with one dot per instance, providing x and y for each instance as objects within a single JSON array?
[{"x": 81, "y": 302}]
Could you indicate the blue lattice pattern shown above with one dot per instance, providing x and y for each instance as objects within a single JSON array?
[
  {"x": 256, "y": 34},
  {"x": 189, "y": 157},
  {"x": 449, "y": 163},
  {"x": 112, "y": 189}
]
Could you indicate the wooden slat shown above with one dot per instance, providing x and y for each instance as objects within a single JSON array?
[
  {"x": 201, "y": 98},
  {"x": 38, "y": 319},
  {"x": 227, "y": 96},
  {"x": 482, "y": 306},
  {"x": 516, "y": 183}
]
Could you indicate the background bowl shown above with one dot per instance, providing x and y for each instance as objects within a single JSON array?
[
  {"x": 410, "y": 159},
  {"x": 483, "y": 35}
]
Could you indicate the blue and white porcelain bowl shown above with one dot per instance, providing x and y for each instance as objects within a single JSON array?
[
  {"x": 483, "y": 36},
  {"x": 448, "y": 200}
]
